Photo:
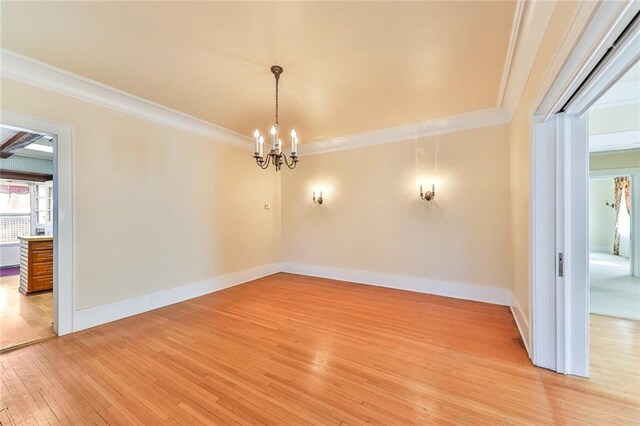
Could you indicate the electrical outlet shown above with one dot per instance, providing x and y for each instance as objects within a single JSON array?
[{"x": 267, "y": 207}]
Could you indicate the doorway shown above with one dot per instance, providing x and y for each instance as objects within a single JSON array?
[
  {"x": 54, "y": 190},
  {"x": 613, "y": 284},
  {"x": 26, "y": 237},
  {"x": 564, "y": 132}
]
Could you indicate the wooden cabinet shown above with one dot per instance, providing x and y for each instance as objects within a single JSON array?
[{"x": 36, "y": 264}]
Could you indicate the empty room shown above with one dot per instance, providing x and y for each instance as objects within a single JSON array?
[{"x": 319, "y": 212}]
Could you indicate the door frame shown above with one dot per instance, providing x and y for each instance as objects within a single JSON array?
[
  {"x": 583, "y": 69},
  {"x": 63, "y": 224}
]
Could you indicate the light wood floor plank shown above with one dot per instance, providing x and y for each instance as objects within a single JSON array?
[{"x": 291, "y": 349}]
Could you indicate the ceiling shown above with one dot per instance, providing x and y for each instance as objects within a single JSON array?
[
  {"x": 7, "y": 133},
  {"x": 348, "y": 67}
]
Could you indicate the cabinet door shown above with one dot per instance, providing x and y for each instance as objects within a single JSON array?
[
  {"x": 42, "y": 269},
  {"x": 41, "y": 283}
]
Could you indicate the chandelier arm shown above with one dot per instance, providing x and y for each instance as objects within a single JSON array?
[
  {"x": 291, "y": 165},
  {"x": 265, "y": 164},
  {"x": 262, "y": 163}
]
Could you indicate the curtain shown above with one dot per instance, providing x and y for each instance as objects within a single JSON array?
[
  {"x": 627, "y": 194},
  {"x": 622, "y": 186},
  {"x": 14, "y": 189}
]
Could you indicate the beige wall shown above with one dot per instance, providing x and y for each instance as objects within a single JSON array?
[
  {"x": 159, "y": 208},
  {"x": 155, "y": 207},
  {"x": 614, "y": 160},
  {"x": 373, "y": 219},
  {"x": 602, "y": 218},
  {"x": 520, "y": 152}
]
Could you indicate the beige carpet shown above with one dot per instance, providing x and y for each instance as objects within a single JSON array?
[{"x": 614, "y": 292}]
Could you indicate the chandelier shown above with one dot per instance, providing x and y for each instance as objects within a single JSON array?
[{"x": 275, "y": 156}]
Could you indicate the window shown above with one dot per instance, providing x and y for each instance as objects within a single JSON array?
[
  {"x": 43, "y": 204},
  {"x": 15, "y": 211}
]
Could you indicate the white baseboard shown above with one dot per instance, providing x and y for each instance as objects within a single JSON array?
[
  {"x": 102, "y": 314},
  {"x": 497, "y": 296},
  {"x": 522, "y": 323}
]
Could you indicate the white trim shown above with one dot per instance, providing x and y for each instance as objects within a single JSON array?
[
  {"x": 594, "y": 27},
  {"x": 572, "y": 291},
  {"x": 542, "y": 269},
  {"x": 611, "y": 173},
  {"x": 610, "y": 70},
  {"x": 478, "y": 293},
  {"x": 614, "y": 141},
  {"x": 454, "y": 123},
  {"x": 64, "y": 255},
  {"x": 618, "y": 95},
  {"x": 531, "y": 31},
  {"x": 36, "y": 73},
  {"x": 513, "y": 39},
  {"x": 527, "y": 30},
  {"x": 635, "y": 225},
  {"x": 559, "y": 313},
  {"x": 98, "y": 315},
  {"x": 522, "y": 323}
]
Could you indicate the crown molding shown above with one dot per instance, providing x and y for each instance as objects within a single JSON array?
[
  {"x": 528, "y": 28},
  {"x": 513, "y": 39},
  {"x": 526, "y": 37},
  {"x": 39, "y": 74},
  {"x": 614, "y": 141},
  {"x": 620, "y": 94},
  {"x": 454, "y": 123}
]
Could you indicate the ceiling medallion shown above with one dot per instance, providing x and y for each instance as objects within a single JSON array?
[{"x": 276, "y": 156}]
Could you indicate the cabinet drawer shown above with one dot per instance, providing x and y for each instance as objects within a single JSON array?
[
  {"x": 42, "y": 256},
  {"x": 41, "y": 283},
  {"x": 41, "y": 245},
  {"x": 40, "y": 269}
]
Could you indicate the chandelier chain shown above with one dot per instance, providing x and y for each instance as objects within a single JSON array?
[{"x": 277, "y": 79}]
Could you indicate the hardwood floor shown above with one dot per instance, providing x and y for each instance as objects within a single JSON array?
[
  {"x": 291, "y": 349},
  {"x": 23, "y": 318}
]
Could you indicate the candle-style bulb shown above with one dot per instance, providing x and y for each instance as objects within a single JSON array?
[
  {"x": 293, "y": 134},
  {"x": 256, "y": 134},
  {"x": 273, "y": 130}
]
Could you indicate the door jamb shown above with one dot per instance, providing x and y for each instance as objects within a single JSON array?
[
  {"x": 63, "y": 224},
  {"x": 559, "y": 341}
]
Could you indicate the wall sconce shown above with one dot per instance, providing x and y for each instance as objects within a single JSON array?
[
  {"x": 318, "y": 200},
  {"x": 429, "y": 195}
]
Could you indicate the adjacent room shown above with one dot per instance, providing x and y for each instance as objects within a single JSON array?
[
  {"x": 615, "y": 286},
  {"x": 614, "y": 146},
  {"x": 614, "y": 235},
  {"x": 26, "y": 238},
  {"x": 318, "y": 212}
]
